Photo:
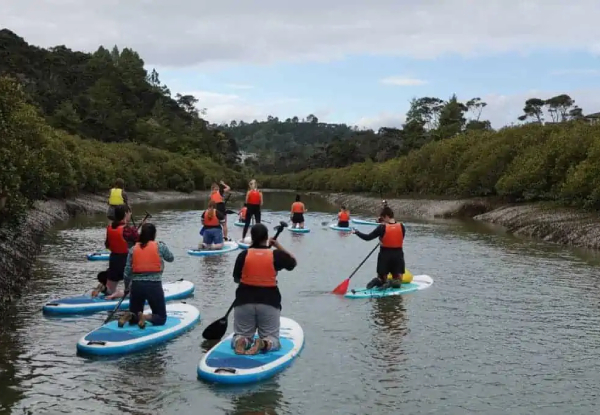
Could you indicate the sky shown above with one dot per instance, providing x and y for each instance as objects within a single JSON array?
[{"x": 354, "y": 62}]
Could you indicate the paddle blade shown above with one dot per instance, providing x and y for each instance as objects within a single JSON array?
[
  {"x": 216, "y": 330},
  {"x": 342, "y": 288}
]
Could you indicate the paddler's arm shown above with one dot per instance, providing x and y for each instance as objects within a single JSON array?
[
  {"x": 127, "y": 272},
  {"x": 283, "y": 260},
  {"x": 239, "y": 265},
  {"x": 378, "y": 232},
  {"x": 165, "y": 253},
  {"x": 125, "y": 198},
  {"x": 226, "y": 188}
]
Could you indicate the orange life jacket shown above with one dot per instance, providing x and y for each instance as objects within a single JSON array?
[
  {"x": 116, "y": 243},
  {"x": 214, "y": 221},
  {"x": 253, "y": 197},
  {"x": 344, "y": 216},
  {"x": 393, "y": 237},
  {"x": 216, "y": 197},
  {"x": 259, "y": 269},
  {"x": 243, "y": 213},
  {"x": 297, "y": 207},
  {"x": 147, "y": 259}
]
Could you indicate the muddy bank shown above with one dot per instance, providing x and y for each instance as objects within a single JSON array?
[
  {"x": 19, "y": 247},
  {"x": 542, "y": 221}
]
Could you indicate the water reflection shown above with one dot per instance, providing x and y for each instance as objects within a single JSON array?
[
  {"x": 266, "y": 401},
  {"x": 9, "y": 353}
]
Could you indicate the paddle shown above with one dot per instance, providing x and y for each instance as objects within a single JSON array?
[
  {"x": 112, "y": 313},
  {"x": 217, "y": 329},
  {"x": 343, "y": 287}
]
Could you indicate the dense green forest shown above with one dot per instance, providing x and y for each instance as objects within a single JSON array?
[
  {"x": 72, "y": 122},
  {"x": 557, "y": 161},
  {"x": 298, "y": 144}
]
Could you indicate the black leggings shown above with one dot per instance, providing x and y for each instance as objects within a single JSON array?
[{"x": 253, "y": 210}]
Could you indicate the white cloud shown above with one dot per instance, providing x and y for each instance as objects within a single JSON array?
[
  {"x": 186, "y": 32},
  {"x": 402, "y": 81},
  {"x": 239, "y": 86},
  {"x": 384, "y": 119}
]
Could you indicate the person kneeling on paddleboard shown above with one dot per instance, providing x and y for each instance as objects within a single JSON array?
[
  {"x": 297, "y": 213},
  {"x": 343, "y": 218},
  {"x": 143, "y": 278},
  {"x": 257, "y": 298},
  {"x": 391, "y": 254},
  {"x": 212, "y": 220},
  {"x": 119, "y": 238},
  {"x": 242, "y": 215}
]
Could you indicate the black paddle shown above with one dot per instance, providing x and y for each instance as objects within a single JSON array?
[
  {"x": 216, "y": 330},
  {"x": 112, "y": 313}
]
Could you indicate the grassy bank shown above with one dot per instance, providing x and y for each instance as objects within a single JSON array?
[
  {"x": 40, "y": 162},
  {"x": 558, "y": 162}
]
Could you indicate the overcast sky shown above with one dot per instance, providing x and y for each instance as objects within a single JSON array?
[{"x": 356, "y": 63}]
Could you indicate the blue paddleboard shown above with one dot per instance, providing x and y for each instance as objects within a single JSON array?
[
  {"x": 419, "y": 282},
  {"x": 82, "y": 304},
  {"x": 227, "y": 247},
  {"x": 337, "y": 228},
  {"x": 240, "y": 224},
  {"x": 364, "y": 222},
  {"x": 221, "y": 365},
  {"x": 98, "y": 256},
  {"x": 109, "y": 339},
  {"x": 299, "y": 230}
]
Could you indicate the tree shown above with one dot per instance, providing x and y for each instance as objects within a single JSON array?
[
  {"x": 476, "y": 106},
  {"x": 559, "y": 107},
  {"x": 451, "y": 119},
  {"x": 425, "y": 111},
  {"x": 534, "y": 108}
]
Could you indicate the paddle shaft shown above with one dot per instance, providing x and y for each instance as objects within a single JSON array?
[
  {"x": 112, "y": 313},
  {"x": 363, "y": 261}
]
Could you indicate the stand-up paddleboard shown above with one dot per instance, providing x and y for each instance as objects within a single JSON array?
[
  {"x": 86, "y": 304},
  {"x": 227, "y": 247},
  {"x": 98, "y": 256},
  {"x": 364, "y": 222},
  {"x": 299, "y": 230},
  {"x": 240, "y": 224},
  {"x": 110, "y": 339},
  {"x": 245, "y": 244},
  {"x": 221, "y": 365},
  {"x": 338, "y": 228},
  {"x": 419, "y": 282}
]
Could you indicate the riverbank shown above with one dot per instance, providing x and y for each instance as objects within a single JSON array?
[
  {"x": 20, "y": 246},
  {"x": 548, "y": 222}
]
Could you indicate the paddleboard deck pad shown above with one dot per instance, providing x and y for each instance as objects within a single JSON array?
[
  {"x": 299, "y": 230},
  {"x": 419, "y": 282},
  {"x": 98, "y": 256},
  {"x": 86, "y": 304},
  {"x": 221, "y": 365},
  {"x": 109, "y": 339},
  {"x": 227, "y": 247}
]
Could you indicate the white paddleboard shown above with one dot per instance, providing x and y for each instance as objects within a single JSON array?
[
  {"x": 419, "y": 282},
  {"x": 227, "y": 247}
]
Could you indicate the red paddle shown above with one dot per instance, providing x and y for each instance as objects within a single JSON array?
[{"x": 343, "y": 287}]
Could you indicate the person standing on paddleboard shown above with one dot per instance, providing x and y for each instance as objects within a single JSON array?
[
  {"x": 391, "y": 253},
  {"x": 117, "y": 197},
  {"x": 254, "y": 201},
  {"x": 216, "y": 195},
  {"x": 143, "y": 278},
  {"x": 257, "y": 298},
  {"x": 120, "y": 237},
  {"x": 212, "y": 221},
  {"x": 343, "y": 218},
  {"x": 297, "y": 213}
]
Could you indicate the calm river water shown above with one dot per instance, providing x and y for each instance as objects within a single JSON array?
[{"x": 510, "y": 326}]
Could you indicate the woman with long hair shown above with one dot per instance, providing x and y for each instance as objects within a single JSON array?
[
  {"x": 217, "y": 192},
  {"x": 254, "y": 201},
  {"x": 212, "y": 221},
  {"x": 143, "y": 278}
]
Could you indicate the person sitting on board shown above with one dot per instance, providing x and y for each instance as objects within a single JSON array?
[
  {"x": 216, "y": 195},
  {"x": 391, "y": 254},
  {"x": 212, "y": 220},
  {"x": 343, "y": 218},
  {"x": 297, "y": 213},
  {"x": 257, "y": 298},
  {"x": 242, "y": 216},
  {"x": 254, "y": 201},
  {"x": 117, "y": 197},
  {"x": 119, "y": 237},
  {"x": 143, "y": 279}
]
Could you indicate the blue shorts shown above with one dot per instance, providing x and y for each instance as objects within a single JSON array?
[{"x": 213, "y": 236}]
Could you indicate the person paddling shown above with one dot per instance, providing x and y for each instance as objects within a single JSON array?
[
  {"x": 257, "y": 298},
  {"x": 120, "y": 237},
  {"x": 117, "y": 197},
  {"x": 391, "y": 254},
  {"x": 297, "y": 213},
  {"x": 143, "y": 278},
  {"x": 242, "y": 214},
  {"x": 343, "y": 218},
  {"x": 254, "y": 201},
  {"x": 216, "y": 195},
  {"x": 212, "y": 221}
]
